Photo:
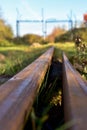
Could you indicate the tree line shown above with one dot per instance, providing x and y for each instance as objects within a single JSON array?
[{"x": 58, "y": 34}]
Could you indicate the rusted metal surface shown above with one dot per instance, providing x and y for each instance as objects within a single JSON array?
[
  {"x": 18, "y": 94},
  {"x": 75, "y": 97}
]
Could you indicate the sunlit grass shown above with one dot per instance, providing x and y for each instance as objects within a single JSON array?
[
  {"x": 18, "y": 57},
  {"x": 22, "y": 55},
  {"x": 68, "y": 48}
]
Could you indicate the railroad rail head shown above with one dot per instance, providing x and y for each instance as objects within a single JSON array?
[
  {"x": 75, "y": 96},
  {"x": 18, "y": 94}
]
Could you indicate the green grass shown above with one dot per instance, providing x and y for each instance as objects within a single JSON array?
[
  {"x": 16, "y": 57},
  {"x": 67, "y": 48}
]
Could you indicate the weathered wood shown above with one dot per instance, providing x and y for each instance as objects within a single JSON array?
[
  {"x": 75, "y": 97},
  {"x": 18, "y": 94}
]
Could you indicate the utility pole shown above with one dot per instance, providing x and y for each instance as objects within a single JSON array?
[
  {"x": 17, "y": 22},
  {"x": 43, "y": 24},
  {"x": 17, "y": 28}
]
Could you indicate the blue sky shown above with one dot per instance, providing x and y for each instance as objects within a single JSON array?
[{"x": 11, "y": 10}]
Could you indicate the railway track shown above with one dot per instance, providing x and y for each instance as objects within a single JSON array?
[
  {"x": 18, "y": 94},
  {"x": 75, "y": 96}
]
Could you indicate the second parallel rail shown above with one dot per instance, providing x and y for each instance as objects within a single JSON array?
[{"x": 75, "y": 96}]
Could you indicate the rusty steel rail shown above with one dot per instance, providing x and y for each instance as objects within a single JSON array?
[
  {"x": 75, "y": 97},
  {"x": 18, "y": 94}
]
